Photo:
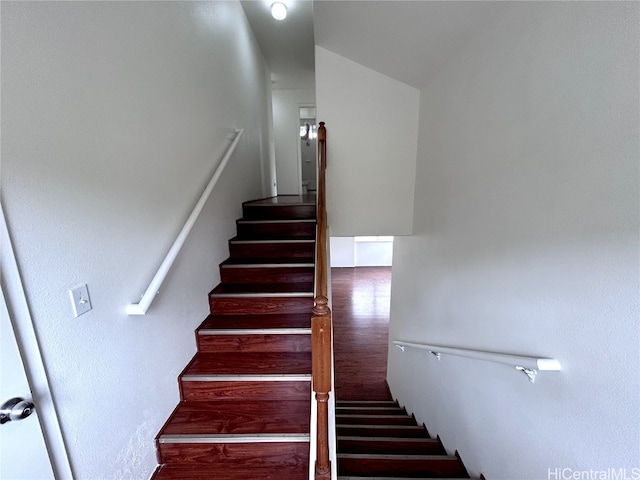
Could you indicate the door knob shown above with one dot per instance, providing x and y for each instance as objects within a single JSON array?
[{"x": 15, "y": 409}]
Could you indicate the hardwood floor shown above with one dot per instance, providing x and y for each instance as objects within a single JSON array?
[{"x": 361, "y": 330}]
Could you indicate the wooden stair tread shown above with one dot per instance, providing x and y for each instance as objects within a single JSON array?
[
  {"x": 265, "y": 321},
  {"x": 276, "y": 221},
  {"x": 231, "y": 471},
  {"x": 299, "y": 288},
  {"x": 413, "y": 431},
  {"x": 249, "y": 363},
  {"x": 401, "y": 465},
  {"x": 271, "y": 240},
  {"x": 287, "y": 200},
  {"x": 366, "y": 403},
  {"x": 360, "y": 410},
  {"x": 375, "y": 420},
  {"x": 390, "y": 445},
  {"x": 233, "y": 417},
  {"x": 266, "y": 263}
]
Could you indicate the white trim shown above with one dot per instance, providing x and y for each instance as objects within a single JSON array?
[
  {"x": 152, "y": 290},
  {"x": 31, "y": 356}
]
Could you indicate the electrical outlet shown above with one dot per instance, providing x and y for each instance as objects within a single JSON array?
[{"x": 80, "y": 301}]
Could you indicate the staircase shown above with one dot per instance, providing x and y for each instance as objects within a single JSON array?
[
  {"x": 246, "y": 394},
  {"x": 378, "y": 439}
]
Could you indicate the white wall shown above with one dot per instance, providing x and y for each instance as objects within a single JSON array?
[
  {"x": 114, "y": 115},
  {"x": 361, "y": 252},
  {"x": 526, "y": 241},
  {"x": 286, "y": 131},
  {"x": 372, "y": 129}
]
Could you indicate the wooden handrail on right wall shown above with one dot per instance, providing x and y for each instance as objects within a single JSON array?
[{"x": 321, "y": 318}]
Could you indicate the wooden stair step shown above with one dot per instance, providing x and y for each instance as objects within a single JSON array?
[
  {"x": 366, "y": 403},
  {"x": 260, "y": 363},
  {"x": 247, "y": 417},
  {"x": 374, "y": 419},
  {"x": 246, "y": 387},
  {"x": 234, "y": 299},
  {"x": 363, "y": 430},
  {"x": 273, "y": 451},
  {"x": 300, "y": 248},
  {"x": 290, "y": 207},
  {"x": 390, "y": 445},
  {"x": 254, "y": 340},
  {"x": 266, "y": 321},
  {"x": 261, "y": 290},
  {"x": 401, "y": 465},
  {"x": 276, "y": 228},
  {"x": 276, "y": 262},
  {"x": 370, "y": 410},
  {"x": 274, "y": 240},
  {"x": 247, "y": 375},
  {"x": 232, "y": 471},
  {"x": 273, "y": 271}
]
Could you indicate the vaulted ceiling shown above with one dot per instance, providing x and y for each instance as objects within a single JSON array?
[{"x": 405, "y": 40}]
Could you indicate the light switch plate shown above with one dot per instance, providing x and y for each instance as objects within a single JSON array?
[{"x": 80, "y": 300}]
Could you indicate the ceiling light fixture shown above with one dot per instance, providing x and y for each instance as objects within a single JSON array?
[{"x": 279, "y": 10}]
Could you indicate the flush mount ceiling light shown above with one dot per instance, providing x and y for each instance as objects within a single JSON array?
[{"x": 279, "y": 10}]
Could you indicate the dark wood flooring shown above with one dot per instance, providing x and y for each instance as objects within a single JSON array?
[{"x": 361, "y": 330}]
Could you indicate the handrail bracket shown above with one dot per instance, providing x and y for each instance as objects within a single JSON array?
[{"x": 529, "y": 372}]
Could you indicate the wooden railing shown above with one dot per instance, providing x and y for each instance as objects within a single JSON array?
[{"x": 321, "y": 319}]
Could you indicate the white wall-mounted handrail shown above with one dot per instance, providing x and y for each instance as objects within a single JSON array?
[
  {"x": 528, "y": 365},
  {"x": 152, "y": 290}
]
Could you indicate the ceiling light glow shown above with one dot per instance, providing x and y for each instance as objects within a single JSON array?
[{"x": 279, "y": 10}]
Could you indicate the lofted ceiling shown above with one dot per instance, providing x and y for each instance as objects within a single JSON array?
[{"x": 405, "y": 40}]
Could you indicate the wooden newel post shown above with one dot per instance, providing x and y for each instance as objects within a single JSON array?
[
  {"x": 321, "y": 370},
  {"x": 322, "y": 145}
]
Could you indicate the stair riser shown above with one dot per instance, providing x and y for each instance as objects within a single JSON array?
[
  {"x": 289, "y": 212},
  {"x": 370, "y": 411},
  {"x": 301, "y": 251},
  {"x": 276, "y": 229},
  {"x": 254, "y": 343},
  {"x": 298, "y": 320},
  {"x": 230, "y": 471},
  {"x": 261, "y": 305},
  {"x": 293, "y": 453},
  {"x": 371, "y": 431},
  {"x": 378, "y": 420},
  {"x": 438, "y": 468},
  {"x": 229, "y": 274},
  {"x": 391, "y": 447},
  {"x": 363, "y": 404},
  {"x": 249, "y": 390}
]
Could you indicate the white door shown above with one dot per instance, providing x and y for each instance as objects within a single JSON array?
[{"x": 23, "y": 453}]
